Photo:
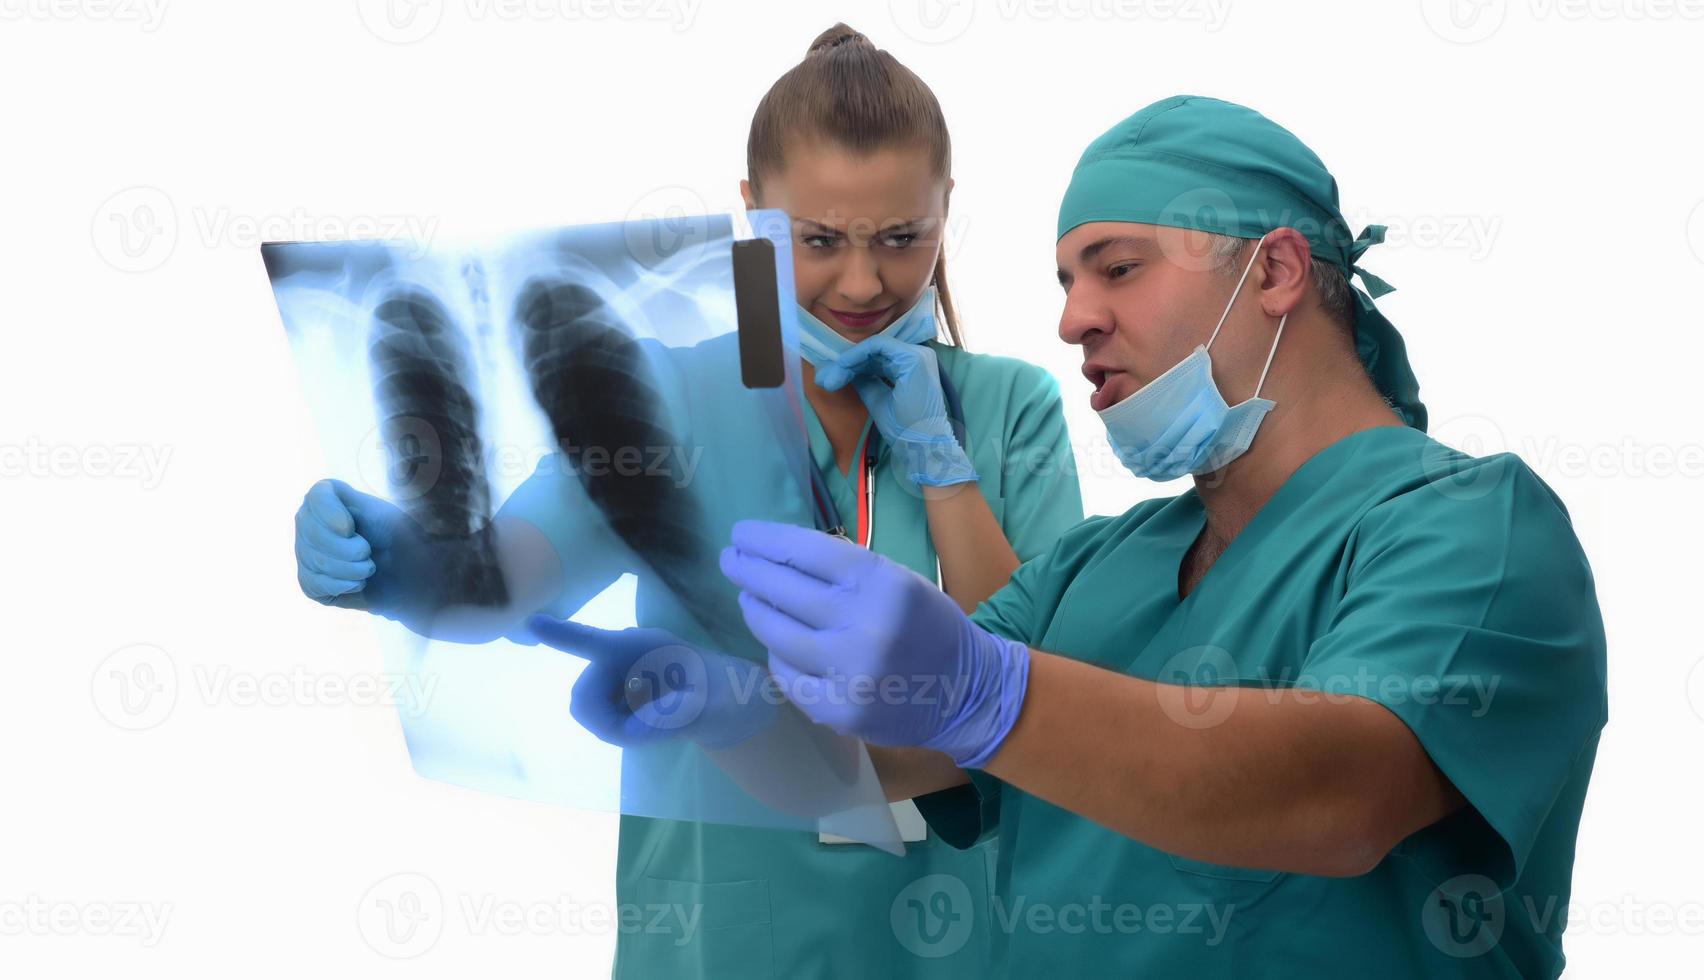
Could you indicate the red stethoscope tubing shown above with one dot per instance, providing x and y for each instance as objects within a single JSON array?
[{"x": 865, "y": 530}]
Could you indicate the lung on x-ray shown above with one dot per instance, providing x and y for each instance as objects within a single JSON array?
[{"x": 567, "y": 420}]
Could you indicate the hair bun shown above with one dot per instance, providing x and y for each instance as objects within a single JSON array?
[{"x": 834, "y": 37}]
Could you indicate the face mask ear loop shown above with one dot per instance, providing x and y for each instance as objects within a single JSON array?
[
  {"x": 1236, "y": 292},
  {"x": 1270, "y": 355}
]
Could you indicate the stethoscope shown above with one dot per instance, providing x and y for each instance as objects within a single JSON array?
[{"x": 829, "y": 518}]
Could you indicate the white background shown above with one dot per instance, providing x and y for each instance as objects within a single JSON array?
[{"x": 1538, "y": 167}]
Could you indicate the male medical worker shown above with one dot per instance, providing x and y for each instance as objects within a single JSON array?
[{"x": 1331, "y": 711}]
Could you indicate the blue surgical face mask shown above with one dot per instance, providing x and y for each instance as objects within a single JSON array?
[
  {"x": 1178, "y": 423},
  {"x": 821, "y": 345}
]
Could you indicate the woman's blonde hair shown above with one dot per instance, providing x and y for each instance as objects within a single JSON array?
[{"x": 850, "y": 92}]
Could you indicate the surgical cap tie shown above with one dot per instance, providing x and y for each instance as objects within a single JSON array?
[{"x": 1376, "y": 287}]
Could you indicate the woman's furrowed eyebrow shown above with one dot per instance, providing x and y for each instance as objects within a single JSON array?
[{"x": 909, "y": 226}]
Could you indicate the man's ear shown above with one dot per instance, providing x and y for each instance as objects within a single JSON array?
[
  {"x": 1286, "y": 268},
  {"x": 746, "y": 195}
]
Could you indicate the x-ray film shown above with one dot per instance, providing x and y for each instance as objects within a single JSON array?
[{"x": 570, "y": 421}]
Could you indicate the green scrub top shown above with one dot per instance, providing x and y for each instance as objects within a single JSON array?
[
  {"x": 1451, "y": 590},
  {"x": 773, "y": 903}
]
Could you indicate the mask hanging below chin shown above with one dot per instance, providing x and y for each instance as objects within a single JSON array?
[{"x": 821, "y": 345}]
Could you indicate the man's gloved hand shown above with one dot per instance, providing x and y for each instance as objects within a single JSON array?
[
  {"x": 357, "y": 551},
  {"x": 900, "y": 384},
  {"x": 641, "y": 685},
  {"x": 869, "y": 648}
]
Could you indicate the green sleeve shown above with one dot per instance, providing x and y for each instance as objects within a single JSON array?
[
  {"x": 1042, "y": 497},
  {"x": 552, "y": 500},
  {"x": 1472, "y": 616}
]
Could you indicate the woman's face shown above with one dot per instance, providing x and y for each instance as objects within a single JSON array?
[{"x": 866, "y": 231}]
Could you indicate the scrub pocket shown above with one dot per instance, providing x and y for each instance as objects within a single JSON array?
[
  {"x": 1223, "y": 884},
  {"x": 1213, "y": 905},
  {"x": 686, "y": 929},
  {"x": 1223, "y": 872}
]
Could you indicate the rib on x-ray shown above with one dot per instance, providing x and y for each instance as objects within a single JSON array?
[{"x": 565, "y": 416}]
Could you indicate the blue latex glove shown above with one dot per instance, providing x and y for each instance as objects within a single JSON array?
[
  {"x": 642, "y": 685},
  {"x": 870, "y": 648},
  {"x": 357, "y": 551},
  {"x": 900, "y": 384}
]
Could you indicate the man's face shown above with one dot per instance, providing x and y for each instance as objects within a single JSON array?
[{"x": 1139, "y": 298}]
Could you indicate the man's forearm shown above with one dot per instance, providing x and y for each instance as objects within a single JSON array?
[
  {"x": 1280, "y": 779},
  {"x": 910, "y": 773}
]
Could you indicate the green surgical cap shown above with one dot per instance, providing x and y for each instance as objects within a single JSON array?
[{"x": 1208, "y": 165}]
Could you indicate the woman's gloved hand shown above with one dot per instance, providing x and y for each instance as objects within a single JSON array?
[
  {"x": 641, "y": 685},
  {"x": 870, "y": 648},
  {"x": 357, "y": 551},
  {"x": 900, "y": 384}
]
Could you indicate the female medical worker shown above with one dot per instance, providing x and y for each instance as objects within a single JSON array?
[{"x": 854, "y": 148}]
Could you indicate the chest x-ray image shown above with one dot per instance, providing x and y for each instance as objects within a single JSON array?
[{"x": 568, "y": 422}]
